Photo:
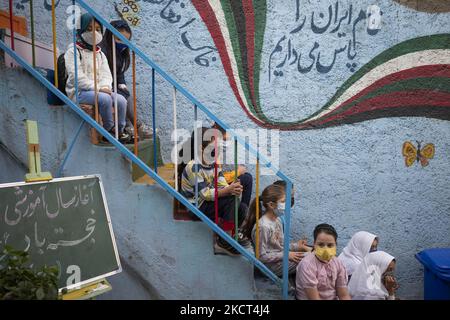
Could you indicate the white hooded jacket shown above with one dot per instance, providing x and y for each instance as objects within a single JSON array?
[
  {"x": 86, "y": 71},
  {"x": 365, "y": 283},
  {"x": 355, "y": 251}
]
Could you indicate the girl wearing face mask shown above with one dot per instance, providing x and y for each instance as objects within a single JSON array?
[
  {"x": 374, "y": 278},
  {"x": 123, "y": 61},
  {"x": 86, "y": 95},
  {"x": 357, "y": 248},
  {"x": 271, "y": 235},
  {"x": 320, "y": 275}
]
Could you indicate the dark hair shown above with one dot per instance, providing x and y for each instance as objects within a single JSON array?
[
  {"x": 189, "y": 143},
  {"x": 120, "y": 25},
  {"x": 325, "y": 228},
  {"x": 272, "y": 193},
  {"x": 281, "y": 183}
]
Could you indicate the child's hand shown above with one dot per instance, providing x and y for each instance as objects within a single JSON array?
[
  {"x": 302, "y": 244},
  {"x": 296, "y": 256},
  {"x": 106, "y": 90},
  {"x": 235, "y": 189},
  {"x": 123, "y": 86},
  {"x": 391, "y": 284}
]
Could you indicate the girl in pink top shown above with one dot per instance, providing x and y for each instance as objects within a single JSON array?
[{"x": 320, "y": 275}]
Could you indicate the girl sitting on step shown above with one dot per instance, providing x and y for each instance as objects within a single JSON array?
[
  {"x": 271, "y": 234},
  {"x": 123, "y": 61},
  {"x": 85, "y": 62}
]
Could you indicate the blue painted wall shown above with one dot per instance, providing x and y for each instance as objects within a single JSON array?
[{"x": 352, "y": 176}]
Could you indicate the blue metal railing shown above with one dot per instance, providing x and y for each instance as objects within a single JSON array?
[{"x": 152, "y": 173}]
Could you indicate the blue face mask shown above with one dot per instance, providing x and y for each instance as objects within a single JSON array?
[
  {"x": 121, "y": 46},
  {"x": 281, "y": 207}
]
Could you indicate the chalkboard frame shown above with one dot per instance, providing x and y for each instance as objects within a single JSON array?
[{"x": 108, "y": 218}]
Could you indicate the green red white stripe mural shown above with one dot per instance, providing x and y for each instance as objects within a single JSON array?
[{"x": 411, "y": 79}]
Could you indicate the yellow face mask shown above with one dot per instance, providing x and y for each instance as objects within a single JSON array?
[{"x": 325, "y": 254}]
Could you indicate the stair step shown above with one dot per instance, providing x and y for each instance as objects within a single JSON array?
[
  {"x": 267, "y": 290},
  {"x": 181, "y": 213},
  {"x": 165, "y": 172}
]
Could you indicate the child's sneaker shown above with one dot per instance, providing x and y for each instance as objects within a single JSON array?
[
  {"x": 223, "y": 247},
  {"x": 244, "y": 241},
  {"x": 124, "y": 138},
  {"x": 130, "y": 132},
  {"x": 145, "y": 132}
]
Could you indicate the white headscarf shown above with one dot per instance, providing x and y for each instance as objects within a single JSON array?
[
  {"x": 365, "y": 283},
  {"x": 357, "y": 248}
]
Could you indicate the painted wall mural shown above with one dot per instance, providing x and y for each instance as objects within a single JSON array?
[
  {"x": 170, "y": 11},
  {"x": 20, "y": 5},
  {"x": 129, "y": 10},
  {"x": 410, "y": 79},
  {"x": 431, "y": 6},
  {"x": 419, "y": 154},
  {"x": 338, "y": 21}
]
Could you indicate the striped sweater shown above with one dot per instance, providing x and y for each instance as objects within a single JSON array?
[{"x": 205, "y": 181}]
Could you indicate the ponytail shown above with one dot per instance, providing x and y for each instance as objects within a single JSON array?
[{"x": 250, "y": 220}]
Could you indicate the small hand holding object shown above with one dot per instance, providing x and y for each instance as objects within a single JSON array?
[
  {"x": 235, "y": 188},
  {"x": 296, "y": 256},
  {"x": 106, "y": 90},
  {"x": 391, "y": 284},
  {"x": 303, "y": 245}
]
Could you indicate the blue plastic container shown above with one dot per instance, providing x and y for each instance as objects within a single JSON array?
[{"x": 436, "y": 264}]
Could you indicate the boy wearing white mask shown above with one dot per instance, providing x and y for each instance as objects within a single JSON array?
[
  {"x": 374, "y": 278},
  {"x": 320, "y": 275},
  {"x": 85, "y": 62},
  {"x": 271, "y": 235}
]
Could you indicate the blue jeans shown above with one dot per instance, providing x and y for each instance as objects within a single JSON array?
[{"x": 105, "y": 107}]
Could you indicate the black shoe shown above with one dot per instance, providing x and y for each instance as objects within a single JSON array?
[
  {"x": 123, "y": 137},
  {"x": 130, "y": 132},
  {"x": 223, "y": 247},
  {"x": 244, "y": 241}
]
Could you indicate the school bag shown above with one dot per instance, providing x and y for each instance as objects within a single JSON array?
[{"x": 52, "y": 99}]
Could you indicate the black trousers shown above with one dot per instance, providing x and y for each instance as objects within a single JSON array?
[
  {"x": 246, "y": 180},
  {"x": 226, "y": 210}
]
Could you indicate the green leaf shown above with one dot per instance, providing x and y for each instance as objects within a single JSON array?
[
  {"x": 40, "y": 294},
  {"x": 19, "y": 282}
]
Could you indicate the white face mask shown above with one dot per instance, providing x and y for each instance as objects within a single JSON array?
[
  {"x": 89, "y": 37},
  {"x": 281, "y": 207}
]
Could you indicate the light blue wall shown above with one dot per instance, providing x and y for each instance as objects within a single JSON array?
[
  {"x": 11, "y": 169},
  {"x": 352, "y": 176}
]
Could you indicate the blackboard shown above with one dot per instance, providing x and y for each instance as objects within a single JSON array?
[{"x": 63, "y": 222}]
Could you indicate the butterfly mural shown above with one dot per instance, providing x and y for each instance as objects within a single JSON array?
[
  {"x": 422, "y": 155},
  {"x": 129, "y": 10}
]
